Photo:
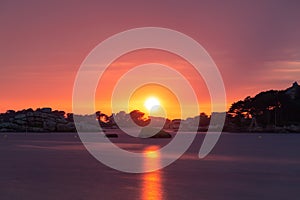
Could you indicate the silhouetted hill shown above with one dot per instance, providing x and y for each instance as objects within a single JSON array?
[{"x": 273, "y": 110}]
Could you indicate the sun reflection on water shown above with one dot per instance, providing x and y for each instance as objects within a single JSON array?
[{"x": 152, "y": 185}]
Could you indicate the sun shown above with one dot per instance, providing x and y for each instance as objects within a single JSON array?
[{"x": 151, "y": 102}]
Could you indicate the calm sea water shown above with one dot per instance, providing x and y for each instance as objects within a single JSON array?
[{"x": 241, "y": 166}]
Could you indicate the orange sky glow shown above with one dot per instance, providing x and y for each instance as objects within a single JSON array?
[
  {"x": 42, "y": 45},
  {"x": 169, "y": 101}
]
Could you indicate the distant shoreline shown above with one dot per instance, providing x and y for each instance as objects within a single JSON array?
[{"x": 273, "y": 111}]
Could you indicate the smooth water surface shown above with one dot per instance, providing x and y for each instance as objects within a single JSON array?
[{"x": 241, "y": 166}]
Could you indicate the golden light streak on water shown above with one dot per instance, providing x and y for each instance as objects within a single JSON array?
[{"x": 152, "y": 182}]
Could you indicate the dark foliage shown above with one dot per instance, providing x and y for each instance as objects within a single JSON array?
[{"x": 273, "y": 107}]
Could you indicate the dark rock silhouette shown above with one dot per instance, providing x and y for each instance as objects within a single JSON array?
[
  {"x": 111, "y": 135},
  {"x": 40, "y": 120},
  {"x": 149, "y": 132}
]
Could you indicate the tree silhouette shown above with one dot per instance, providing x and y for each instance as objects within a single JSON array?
[
  {"x": 273, "y": 107},
  {"x": 138, "y": 118}
]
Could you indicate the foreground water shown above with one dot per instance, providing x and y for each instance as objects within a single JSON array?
[{"x": 241, "y": 166}]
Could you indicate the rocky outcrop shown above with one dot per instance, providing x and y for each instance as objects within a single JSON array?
[
  {"x": 111, "y": 135},
  {"x": 149, "y": 132},
  {"x": 40, "y": 120}
]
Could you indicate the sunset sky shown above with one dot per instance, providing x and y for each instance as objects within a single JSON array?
[{"x": 255, "y": 44}]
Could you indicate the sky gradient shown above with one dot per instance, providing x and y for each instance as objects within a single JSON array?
[{"x": 255, "y": 44}]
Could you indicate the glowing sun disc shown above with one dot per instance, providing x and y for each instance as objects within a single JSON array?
[{"x": 151, "y": 102}]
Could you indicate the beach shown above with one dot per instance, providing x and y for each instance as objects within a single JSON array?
[{"x": 241, "y": 166}]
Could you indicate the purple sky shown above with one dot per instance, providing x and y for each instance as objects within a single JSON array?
[{"x": 256, "y": 44}]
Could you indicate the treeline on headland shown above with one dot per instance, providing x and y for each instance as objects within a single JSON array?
[{"x": 270, "y": 111}]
